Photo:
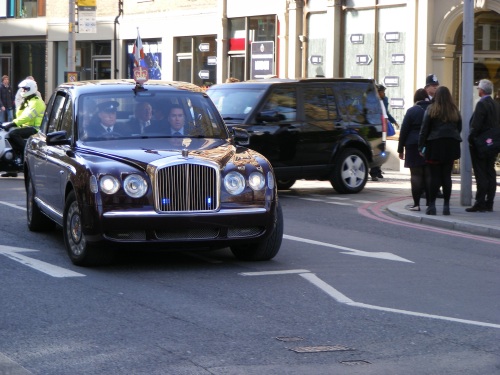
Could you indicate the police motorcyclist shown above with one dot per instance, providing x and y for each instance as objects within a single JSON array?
[{"x": 29, "y": 116}]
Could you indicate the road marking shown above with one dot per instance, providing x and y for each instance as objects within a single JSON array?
[
  {"x": 349, "y": 251},
  {"x": 342, "y": 298},
  {"x": 13, "y": 205},
  {"x": 340, "y": 203},
  {"x": 47, "y": 268},
  {"x": 266, "y": 273}
]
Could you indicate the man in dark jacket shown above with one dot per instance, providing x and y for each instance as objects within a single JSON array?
[
  {"x": 7, "y": 100},
  {"x": 485, "y": 116}
]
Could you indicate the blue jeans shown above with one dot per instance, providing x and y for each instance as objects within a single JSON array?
[{"x": 9, "y": 114}]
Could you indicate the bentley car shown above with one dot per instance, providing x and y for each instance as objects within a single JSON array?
[{"x": 152, "y": 164}]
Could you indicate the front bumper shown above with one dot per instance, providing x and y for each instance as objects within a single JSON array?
[{"x": 201, "y": 229}]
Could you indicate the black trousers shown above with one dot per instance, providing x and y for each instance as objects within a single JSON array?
[
  {"x": 486, "y": 178},
  {"x": 17, "y": 137}
]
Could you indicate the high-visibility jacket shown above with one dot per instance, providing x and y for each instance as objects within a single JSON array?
[{"x": 30, "y": 113}]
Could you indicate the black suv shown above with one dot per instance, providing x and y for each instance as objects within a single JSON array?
[{"x": 314, "y": 129}]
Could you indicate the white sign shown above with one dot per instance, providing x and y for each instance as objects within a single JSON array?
[
  {"x": 204, "y": 74},
  {"x": 87, "y": 21}
]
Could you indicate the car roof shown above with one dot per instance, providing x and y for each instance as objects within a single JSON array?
[
  {"x": 276, "y": 81},
  {"x": 82, "y": 87}
]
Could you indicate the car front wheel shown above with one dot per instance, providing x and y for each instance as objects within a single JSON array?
[
  {"x": 266, "y": 249},
  {"x": 79, "y": 250},
  {"x": 350, "y": 172}
]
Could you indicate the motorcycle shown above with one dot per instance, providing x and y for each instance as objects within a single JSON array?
[{"x": 11, "y": 162}]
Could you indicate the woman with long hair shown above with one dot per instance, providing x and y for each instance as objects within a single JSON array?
[{"x": 439, "y": 143}]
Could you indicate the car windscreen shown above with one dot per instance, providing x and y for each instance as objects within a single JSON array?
[
  {"x": 127, "y": 115},
  {"x": 235, "y": 104}
]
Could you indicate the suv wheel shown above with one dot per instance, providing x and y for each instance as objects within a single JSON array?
[
  {"x": 285, "y": 184},
  {"x": 350, "y": 172}
]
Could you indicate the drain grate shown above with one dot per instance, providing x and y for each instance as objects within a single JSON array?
[
  {"x": 355, "y": 362},
  {"x": 322, "y": 348},
  {"x": 289, "y": 339}
]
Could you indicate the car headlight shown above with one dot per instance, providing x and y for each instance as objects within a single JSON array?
[
  {"x": 256, "y": 180},
  {"x": 135, "y": 186},
  {"x": 109, "y": 184},
  {"x": 234, "y": 183},
  {"x": 270, "y": 180}
]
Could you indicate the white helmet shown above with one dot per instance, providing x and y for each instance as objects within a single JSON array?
[{"x": 28, "y": 87}]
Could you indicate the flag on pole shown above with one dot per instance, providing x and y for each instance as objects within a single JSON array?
[{"x": 138, "y": 50}]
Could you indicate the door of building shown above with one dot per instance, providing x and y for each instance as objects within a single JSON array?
[
  {"x": 236, "y": 68},
  {"x": 101, "y": 68}
]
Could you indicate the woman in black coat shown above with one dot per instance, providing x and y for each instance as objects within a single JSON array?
[
  {"x": 439, "y": 142},
  {"x": 408, "y": 146}
]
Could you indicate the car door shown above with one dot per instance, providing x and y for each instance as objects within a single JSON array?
[
  {"x": 55, "y": 168},
  {"x": 322, "y": 126},
  {"x": 275, "y": 128}
]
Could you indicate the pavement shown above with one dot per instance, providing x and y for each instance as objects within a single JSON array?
[{"x": 478, "y": 223}]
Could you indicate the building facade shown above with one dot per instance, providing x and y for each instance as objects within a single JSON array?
[{"x": 396, "y": 42}]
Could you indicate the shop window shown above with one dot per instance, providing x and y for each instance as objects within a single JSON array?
[
  {"x": 316, "y": 44},
  {"x": 152, "y": 60},
  {"x": 29, "y": 8},
  {"x": 196, "y": 60},
  {"x": 244, "y": 31}
]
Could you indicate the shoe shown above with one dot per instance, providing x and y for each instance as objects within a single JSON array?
[
  {"x": 374, "y": 178},
  {"x": 431, "y": 210},
  {"x": 446, "y": 209},
  {"x": 380, "y": 175},
  {"x": 414, "y": 208},
  {"x": 9, "y": 174},
  {"x": 477, "y": 208}
]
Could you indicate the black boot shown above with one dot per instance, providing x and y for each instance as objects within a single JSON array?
[
  {"x": 446, "y": 208},
  {"x": 478, "y": 207},
  {"x": 431, "y": 209}
]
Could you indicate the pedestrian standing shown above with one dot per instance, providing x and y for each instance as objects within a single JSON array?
[
  {"x": 408, "y": 147},
  {"x": 7, "y": 100},
  {"x": 486, "y": 115},
  {"x": 439, "y": 142},
  {"x": 431, "y": 85},
  {"x": 376, "y": 172}
]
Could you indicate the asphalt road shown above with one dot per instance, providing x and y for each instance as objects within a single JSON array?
[{"x": 351, "y": 292}]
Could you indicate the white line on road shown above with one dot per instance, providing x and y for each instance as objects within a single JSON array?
[
  {"x": 13, "y": 205},
  {"x": 47, "y": 268},
  {"x": 266, "y": 273},
  {"x": 339, "y": 297},
  {"x": 349, "y": 251},
  {"x": 342, "y": 298}
]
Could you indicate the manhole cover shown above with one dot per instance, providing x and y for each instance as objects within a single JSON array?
[{"x": 322, "y": 348}]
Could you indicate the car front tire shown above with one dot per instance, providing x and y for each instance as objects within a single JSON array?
[
  {"x": 265, "y": 250},
  {"x": 350, "y": 172},
  {"x": 81, "y": 252}
]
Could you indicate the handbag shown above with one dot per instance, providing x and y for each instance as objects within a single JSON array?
[
  {"x": 390, "y": 129},
  {"x": 487, "y": 144}
]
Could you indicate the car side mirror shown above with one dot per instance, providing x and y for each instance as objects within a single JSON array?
[
  {"x": 241, "y": 136},
  {"x": 58, "y": 138}
]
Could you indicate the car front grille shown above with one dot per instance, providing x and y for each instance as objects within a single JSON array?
[{"x": 187, "y": 187}]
